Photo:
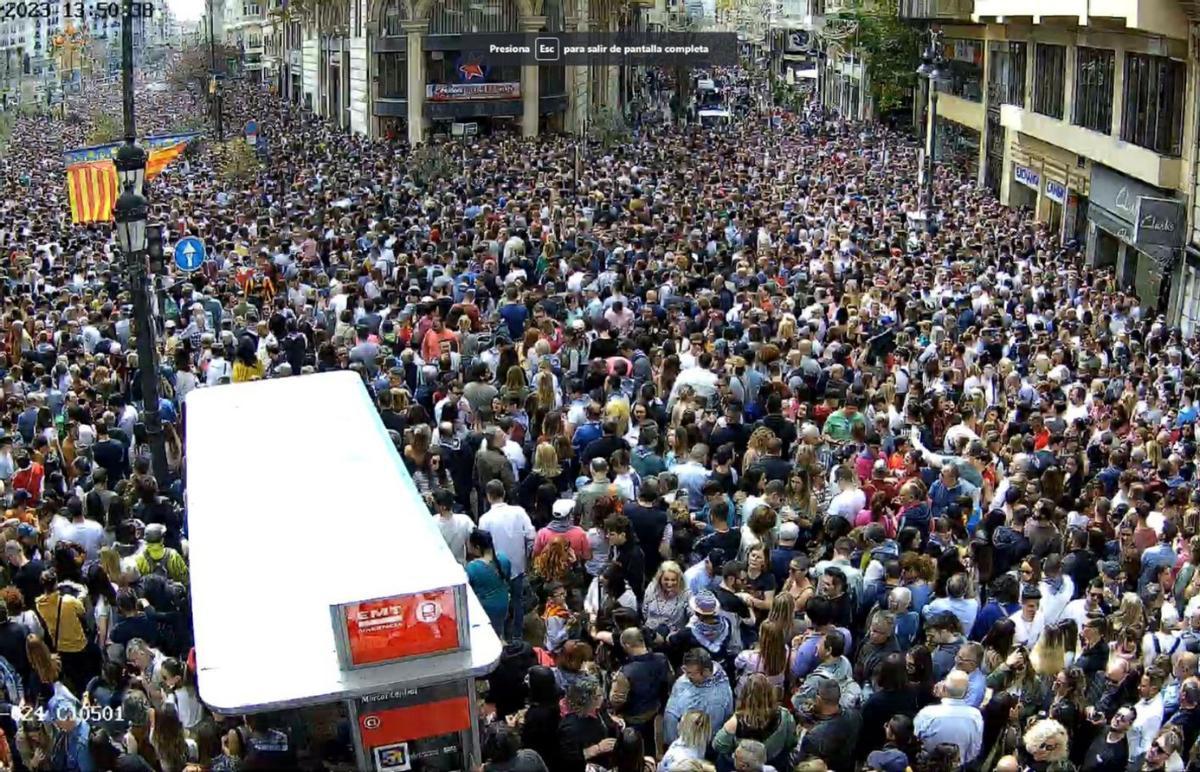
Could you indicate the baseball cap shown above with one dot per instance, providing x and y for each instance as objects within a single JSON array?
[
  {"x": 789, "y": 532},
  {"x": 562, "y": 508},
  {"x": 887, "y": 760},
  {"x": 155, "y": 533},
  {"x": 26, "y": 531}
]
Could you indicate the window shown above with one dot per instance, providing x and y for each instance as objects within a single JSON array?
[
  {"x": 1007, "y": 81},
  {"x": 1093, "y": 89},
  {"x": 393, "y": 76},
  {"x": 963, "y": 74},
  {"x": 454, "y": 17},
  {"x": 1153, "y": 111},
  {"x": 393, "y": 18},
  {"x": 1049, "y": 79}
]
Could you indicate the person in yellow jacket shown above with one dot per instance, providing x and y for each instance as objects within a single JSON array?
[
  {"x": 62, "y": 616},
  {"x": 157, "y": 558},
  {"x": 246, "y": 364}
]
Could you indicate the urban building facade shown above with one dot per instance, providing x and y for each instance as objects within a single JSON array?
[{"x": 397, "y": 68}]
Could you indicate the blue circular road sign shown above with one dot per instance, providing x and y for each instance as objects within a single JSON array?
[{"x": 190, "y": 254}]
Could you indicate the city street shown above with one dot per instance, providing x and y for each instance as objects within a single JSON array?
[{"x": 755, "y": 452}]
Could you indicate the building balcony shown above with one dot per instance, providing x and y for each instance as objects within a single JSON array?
[
  {"x": 1161, "y": 17},
  {"x": 937, "y": 10},
  {"x": 1137, "y": 162}
]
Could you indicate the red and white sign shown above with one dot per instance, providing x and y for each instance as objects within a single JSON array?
[
  {"x": 391, "y": 629},
  {"x": 465, "y": 92}
]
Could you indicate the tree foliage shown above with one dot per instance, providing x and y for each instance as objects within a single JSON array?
[
  {"x": 236, "y": 161},
  {"x": 429, "y": 163},
  {"x": 892, "y": 50},
  {"x": 608, "y": 128},
  {"x": 106, "y": 127},
  {"x": 193, "y": 66}
]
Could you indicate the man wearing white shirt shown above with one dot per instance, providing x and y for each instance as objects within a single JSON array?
[
  {"x": 1057, "y": 590},
  {"x": 1149, "y": 710},
  {"x": 702, "y": 380},
  {"x": 1028, "y": 620},
  {"x": 512, "y": 533},
  {"x": 850, "y": 500}
]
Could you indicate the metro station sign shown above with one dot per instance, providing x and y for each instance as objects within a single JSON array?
[{"x": 386, "y": 630}]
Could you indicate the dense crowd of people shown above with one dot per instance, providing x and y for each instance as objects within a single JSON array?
[{"x": 750, "y": 469}]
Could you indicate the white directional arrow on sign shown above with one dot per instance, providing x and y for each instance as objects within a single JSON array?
[{"x": 189, "y": 251}]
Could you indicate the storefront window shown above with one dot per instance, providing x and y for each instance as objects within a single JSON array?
[{"x": 964, "y": 70}]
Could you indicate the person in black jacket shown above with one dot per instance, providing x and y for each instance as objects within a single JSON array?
[
  {"x": 586, "y": 734},
  {"x": 831, "y": 730},
  {"x": 626, "y": 552},
  {"x": 506, "y": 684},
  {"x": 649, "y": 522},
  {"x": 643, "y": 684},
  {"x": 539, "y": 726},
  {"x": 605, "y": 445},
  {"x": 1080, "y": 564}
]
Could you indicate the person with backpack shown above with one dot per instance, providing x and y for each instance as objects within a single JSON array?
[{"x": 160, "y": 560}]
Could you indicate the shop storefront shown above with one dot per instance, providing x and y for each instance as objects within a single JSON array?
[
  {"x": 1051, "y": 183},
  {"x": 1138, "y": 229},
  {"x": 1028, "y": 186}
]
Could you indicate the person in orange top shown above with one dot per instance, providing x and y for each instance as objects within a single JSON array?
[
  {"x": 21, "y": 511},
  {"x": 431, "y": 345}
]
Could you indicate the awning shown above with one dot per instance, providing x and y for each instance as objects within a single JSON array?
[{"x": 810, "y": 74}]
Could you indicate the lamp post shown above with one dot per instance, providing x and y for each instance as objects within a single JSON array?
[
  {"x": 130, "y": 215},
  {"x": 932, "y": 71}
]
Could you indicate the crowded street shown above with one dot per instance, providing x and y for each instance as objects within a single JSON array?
[{"x": 752, "y": 462}]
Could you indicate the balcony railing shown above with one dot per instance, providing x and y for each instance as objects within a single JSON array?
[{"x": 955, "y": 10}]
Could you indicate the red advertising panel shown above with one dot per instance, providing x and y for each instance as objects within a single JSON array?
[
  {"x": 416, "y": 730},
  {"x": 391, "y": 629}
]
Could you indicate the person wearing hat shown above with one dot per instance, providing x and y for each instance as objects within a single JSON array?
[
  {"x": 159, "y": 559},
  {"x": 563, "y": 526},
  {"x": 709, "y": 629}
]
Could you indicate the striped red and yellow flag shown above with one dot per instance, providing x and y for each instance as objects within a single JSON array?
[
  {"x": 161, "y": 156},
  {"x": 92, "y": 190}
]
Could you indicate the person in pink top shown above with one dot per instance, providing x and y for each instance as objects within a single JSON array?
[{"x": 562, "y": 526}]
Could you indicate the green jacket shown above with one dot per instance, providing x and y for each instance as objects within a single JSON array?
[{"x": 782, "y": 739}]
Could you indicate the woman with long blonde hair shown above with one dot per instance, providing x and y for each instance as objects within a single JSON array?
[
  {"x": 756, "y": 447},
  {"x": 1049, "y": 655},
  {"x": 783, "y": 613},
  {"x": 760, "y": 715},
  {"x": 691, "y": 743},
  {"x": 47, "y": 671},
  {"x": 548, "y": 397},
  {"x": 1130, "y": 614},
  {"x": 769, "y": 657}
]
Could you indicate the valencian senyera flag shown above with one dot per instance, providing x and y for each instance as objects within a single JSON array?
[{"x": 92, "y": 175}]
